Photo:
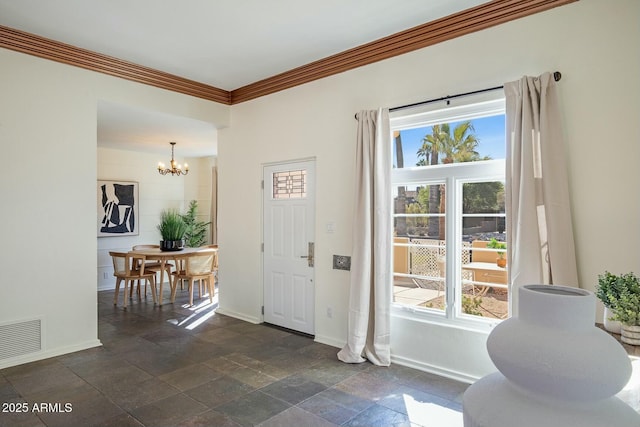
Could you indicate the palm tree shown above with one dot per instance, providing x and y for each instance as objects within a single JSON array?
[
  {"x": 401, "y": 222},
  {"x": 461, "y": 146},
  {"x": 432, "y": 145},
  {"x": 457, "y": 147}
]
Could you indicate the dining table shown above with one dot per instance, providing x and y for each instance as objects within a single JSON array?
[{"x": 155, "y": 254}]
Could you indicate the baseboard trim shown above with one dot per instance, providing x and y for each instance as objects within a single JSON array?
[
  {"x": 323, "y": 339},
  {"x": 438, "y": 370},
  {"x": 238, "y": 315},
  {"x": 409, "y": 363},
  {"x": 34, "y": 357}
]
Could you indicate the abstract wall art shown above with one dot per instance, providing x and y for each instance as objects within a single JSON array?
[{"x": 117, "y": 208}]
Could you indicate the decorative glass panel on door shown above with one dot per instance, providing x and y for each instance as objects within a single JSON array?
[{"x": 290, "y": 184}]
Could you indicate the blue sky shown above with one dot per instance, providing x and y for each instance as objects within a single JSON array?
[{"x": 489, "y": 130}]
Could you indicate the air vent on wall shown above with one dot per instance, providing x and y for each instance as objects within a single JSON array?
[{"x": 18, "y": 339}]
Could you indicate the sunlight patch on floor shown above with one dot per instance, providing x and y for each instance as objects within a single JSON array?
[
  {"x": 202, "y": 311},
  {"x": 429, "y": 413},
  {"x": 630, "y": 394}
]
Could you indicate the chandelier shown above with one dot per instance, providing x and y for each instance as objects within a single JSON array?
[{"x": 175, "y": 169}]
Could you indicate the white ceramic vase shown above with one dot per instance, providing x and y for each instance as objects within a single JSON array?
[
  {"x": 556, "y": 368},
  {"x": 612, "y": 326}
]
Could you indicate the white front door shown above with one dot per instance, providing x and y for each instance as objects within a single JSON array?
[{"x": 288, "y": 257}]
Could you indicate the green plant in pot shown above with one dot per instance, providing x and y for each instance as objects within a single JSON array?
[
  {"x": 608, "y": 291},
  {"x": 196, "y": 232},
  {"x": 172, "y": 229},
  {"x": 501, "y": 261},
  {"x": 622, "y": 295}
]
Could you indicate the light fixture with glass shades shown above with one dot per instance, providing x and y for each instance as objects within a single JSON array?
[{"x": 175, "y": 169}]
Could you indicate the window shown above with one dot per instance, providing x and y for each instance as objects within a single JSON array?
[
  {"x": 290, "y": 184},
  {"x": 448, "y": 184}
]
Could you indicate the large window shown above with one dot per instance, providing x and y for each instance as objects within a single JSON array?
[{"x": 449, "y": 213}]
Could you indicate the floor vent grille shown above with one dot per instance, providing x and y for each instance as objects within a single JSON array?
[{"x": 17, "y": 339}]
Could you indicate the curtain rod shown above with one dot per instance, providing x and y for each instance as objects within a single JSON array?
[{"x": 556, "y": 76}]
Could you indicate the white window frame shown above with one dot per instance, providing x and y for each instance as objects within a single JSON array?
[{"x": 454, "y": 176}]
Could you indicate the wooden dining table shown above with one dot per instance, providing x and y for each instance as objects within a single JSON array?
[{"x": 155, "y": 254}]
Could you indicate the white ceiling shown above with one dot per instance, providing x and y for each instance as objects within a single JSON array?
[
  {"x": 127, "y": 128},
  {"x": 223, "y": 43}
]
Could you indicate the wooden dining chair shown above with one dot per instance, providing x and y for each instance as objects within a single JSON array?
[
  {"x": 195, "y": 267},
  {"x": 179, "y": 261},
  {"x": 179, "y": 271},
  {"x": 215, "y": 267},
  {"x": 130, "y": 267},
  {"x": 154, "y": 266}
]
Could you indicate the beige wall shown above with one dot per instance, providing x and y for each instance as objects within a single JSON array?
[
  {"x": 595, "y": 47},
  {"x": 48, "y": 140}
]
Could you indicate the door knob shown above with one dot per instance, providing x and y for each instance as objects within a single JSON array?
[{"x": 310, "y": 253}]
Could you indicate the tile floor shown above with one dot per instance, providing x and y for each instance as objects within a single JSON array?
[{"x": 180, "y": 366}]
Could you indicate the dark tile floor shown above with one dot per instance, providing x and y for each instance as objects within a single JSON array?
[{"x": 180, "y": 366}]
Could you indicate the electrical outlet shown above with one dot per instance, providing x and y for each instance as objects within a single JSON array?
[
  {"x": 329, "y": 312},
  {"x": 341, "y": 262}
]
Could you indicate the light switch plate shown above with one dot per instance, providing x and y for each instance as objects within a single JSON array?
[
  {"x": 341, "y": 262},
  {"x": 331, "y": 227}
]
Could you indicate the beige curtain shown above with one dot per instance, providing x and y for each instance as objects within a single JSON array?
[
  {"x": 539, "y": 229},
  {"x": 370, "y": 293},
  {"x": 213, "y": 228}
]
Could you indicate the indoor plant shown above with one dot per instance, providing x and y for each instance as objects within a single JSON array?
[
  {"x": 195, "y": 234},
  {"x": 622, "y": 294},
  {"x": 501, "y": 261},
  {"x": 172, "y": 228},
  {"x": 608, "y": 291}
]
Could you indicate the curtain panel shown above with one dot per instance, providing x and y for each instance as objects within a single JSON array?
[
  {"x": 369, "y": 318},
  {"x": 539, "y": 227}
]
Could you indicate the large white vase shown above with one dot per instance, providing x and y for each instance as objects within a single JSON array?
[{"x": 556, "y": 368}]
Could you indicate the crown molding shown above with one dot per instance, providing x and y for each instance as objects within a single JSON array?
[
  {"x": 486, "y": 15},
  {"x": 468, "y": 21},
  {"x": 31, "y": 44}
]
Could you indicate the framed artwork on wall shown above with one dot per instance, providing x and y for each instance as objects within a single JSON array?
[{"x": 117, "y": 208}]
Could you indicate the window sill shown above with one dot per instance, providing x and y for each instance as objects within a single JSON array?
[{"x": 417, "y": 315}]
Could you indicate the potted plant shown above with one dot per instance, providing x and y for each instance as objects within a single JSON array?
[
  {"x": 624, "y": 300},
  {"x": 195, "y": 234},
  {"x": 501, "y": 261},
  {"x": 172, "y": 229},
  {"x": 608, "y": 291}
]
